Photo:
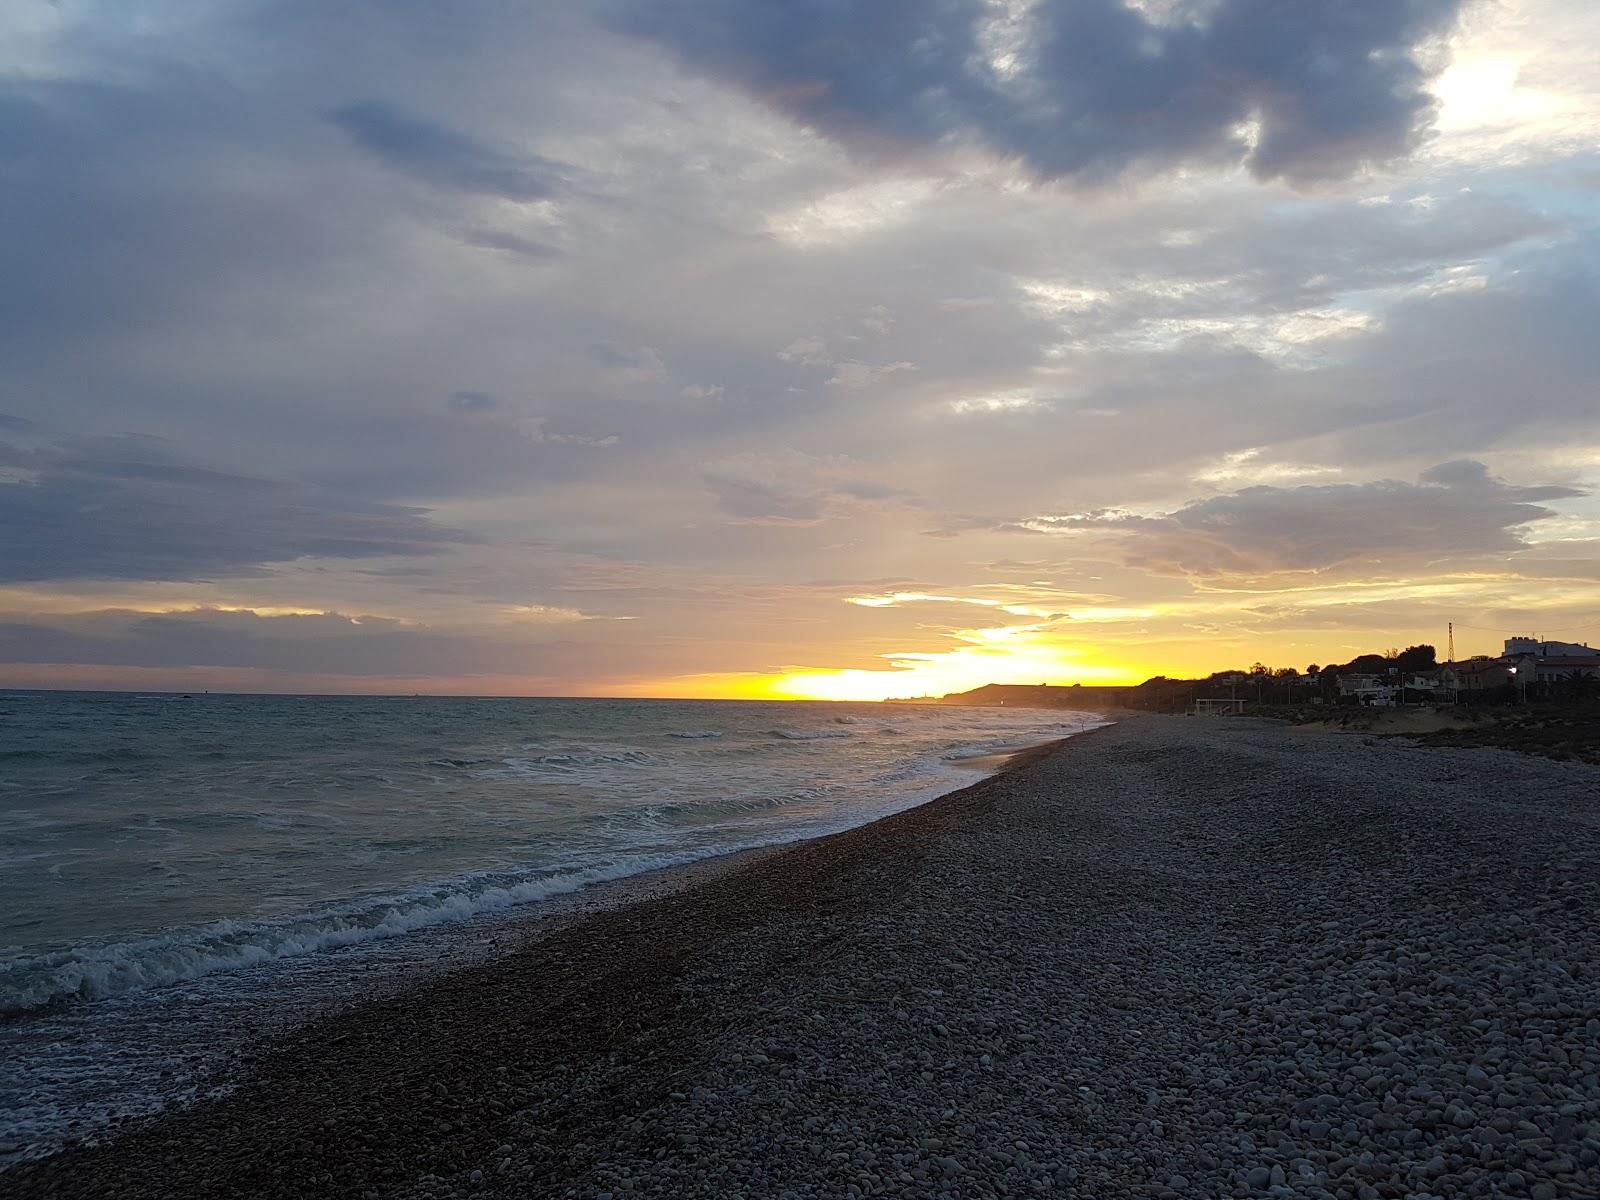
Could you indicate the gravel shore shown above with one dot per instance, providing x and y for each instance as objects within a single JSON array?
[{"x": 1170, "y": 958}]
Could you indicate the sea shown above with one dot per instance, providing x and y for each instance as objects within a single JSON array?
[{"x": 181, "y": 873}]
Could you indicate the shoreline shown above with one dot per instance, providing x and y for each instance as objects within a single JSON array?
[
  {"x": 553, "y": 913},
  {"x": 277, "y": 999},
  {"x": 1033, "y": 983}
]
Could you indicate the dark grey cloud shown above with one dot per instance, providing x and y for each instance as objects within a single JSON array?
[
  {"x": 1098, "y": 86},
  {"x": 1332, "y": 84},
  {"x": 127, "y": 508},
  {"x": 319, "y": 643},
  {"x": 310, "y": 649},
  {"x": 1456, "y": 510},
  {"x": 444, "y": 157},
  {"x": 898, "y": 67}
]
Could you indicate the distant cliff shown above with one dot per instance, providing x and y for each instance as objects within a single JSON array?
[{"x": 1036, "y": 695}]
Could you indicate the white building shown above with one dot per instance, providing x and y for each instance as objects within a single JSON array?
[
  {"x": 1371, "y": 690},
  {"x": 1519, "y": 647},
  {"x": 1566, "y": 668}
]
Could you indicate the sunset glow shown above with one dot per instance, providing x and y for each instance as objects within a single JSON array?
[{"x": 667, "y": 357}]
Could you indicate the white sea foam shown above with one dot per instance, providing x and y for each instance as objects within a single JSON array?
[{"x": 95, "y": 972}]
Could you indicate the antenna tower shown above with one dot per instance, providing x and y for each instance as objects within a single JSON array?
[{"x": 1452, "y": 650}]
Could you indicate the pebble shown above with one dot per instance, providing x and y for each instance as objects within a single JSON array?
[{"x": 1178, "y": 958}]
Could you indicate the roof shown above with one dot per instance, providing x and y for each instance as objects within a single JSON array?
[{"x": 1476, "y": 666}]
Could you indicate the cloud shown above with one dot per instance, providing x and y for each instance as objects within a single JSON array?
[
  {"x": 757, "y": 489},
  {"x": 442, "y": 157},
  {"x": 853, "y": 376},
  {"x": 792, "y": 488},
  {"x": 508, "y": 652},
  {"x": 701, "y": 391},
  {"x": 533, "y": 428},
  {"x": 472, "y": 402},
  {"x": 1456, "y": 510},
  {"x": 315, "y": 643},
  {"x": 129, "y": 508},
  {"x": 510, "y": 243},
  {"x": 1084, "y": 89},
  {"x": 364, "y": 337},
  {"x": 806, "y": 352},
  {"x": 619, "y": 357},
  {"x": 898, "y": 599},
  {"x": 849, "y": 374}
]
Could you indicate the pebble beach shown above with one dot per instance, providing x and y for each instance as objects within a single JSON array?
[{"x": 1174, "y": 957}]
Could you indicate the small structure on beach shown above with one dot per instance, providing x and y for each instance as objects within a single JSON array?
[{"x": 1216, "y": 708}]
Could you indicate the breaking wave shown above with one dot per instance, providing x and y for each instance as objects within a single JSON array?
[{"x": 97, "y": 972}]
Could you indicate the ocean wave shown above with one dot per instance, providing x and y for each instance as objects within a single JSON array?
[
  {"x": 983, "y": 747},
  {"x": 977, "y": 749},
  {"x": 113, "y": 754},
  {"x": 575, "y": 761},
  {"x": 578, "y": 795},
  {"x": 684, "y": 811},
  {"x": 40, "y": 981}
]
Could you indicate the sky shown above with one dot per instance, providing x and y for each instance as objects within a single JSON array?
[{"x": 791, "y": 348}]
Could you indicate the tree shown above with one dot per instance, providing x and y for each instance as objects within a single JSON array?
[
  {"x": 1417, "y": 658},
  {"x": 1579, "y": 685},
  {"x": 1313, "y": 669}
]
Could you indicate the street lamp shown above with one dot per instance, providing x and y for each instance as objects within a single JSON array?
[{"x": 1522, "y": 686}]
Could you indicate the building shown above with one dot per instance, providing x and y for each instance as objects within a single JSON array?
[
  {"x": 1373, "y": 690},
  {"x": 1478, "y": 674},
  {"x": 1523, "y": 647},
  {"x": 1564, "y": 668}
]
